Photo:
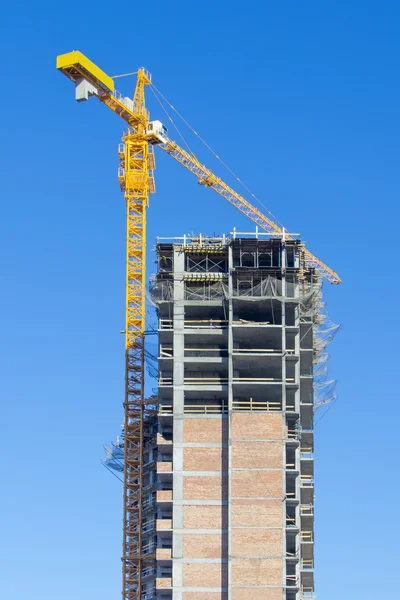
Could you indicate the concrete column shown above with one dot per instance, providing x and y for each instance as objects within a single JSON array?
[
  {"x": 178, "y": 413},
  {"x": 230, "y": 404},
  {"x": 284, "y": 512}
]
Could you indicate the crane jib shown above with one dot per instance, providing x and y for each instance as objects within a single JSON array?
[{"x": 93, "y": 81}]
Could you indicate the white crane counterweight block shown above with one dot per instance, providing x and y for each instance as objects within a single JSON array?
[{"x": 84, "y": 89}]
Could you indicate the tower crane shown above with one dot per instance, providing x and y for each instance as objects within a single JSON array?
[{"x": 136, "y": 177}]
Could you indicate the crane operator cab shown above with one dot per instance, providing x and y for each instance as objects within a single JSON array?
[{"x": 156, "y": 133}]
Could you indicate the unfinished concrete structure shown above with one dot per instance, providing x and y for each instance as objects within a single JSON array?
[{"x": 228, "y": 502}]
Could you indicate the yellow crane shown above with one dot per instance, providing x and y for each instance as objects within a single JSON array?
[{"x": 137, "y": 163}]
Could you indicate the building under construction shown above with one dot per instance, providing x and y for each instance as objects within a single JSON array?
[
  {"x": 218, "y": 472},
  {"x": 228, "y": 498}
]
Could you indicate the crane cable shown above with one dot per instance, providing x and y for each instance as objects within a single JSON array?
[
  {"x": 124, "y": 75},
  {"x": 171, "y": 120},
  {"x": 210, "y": 149}
]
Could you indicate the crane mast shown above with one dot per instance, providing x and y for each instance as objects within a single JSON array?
[
  {"x": 134, "y": 181},
  {"x": 136, "y": 152}
]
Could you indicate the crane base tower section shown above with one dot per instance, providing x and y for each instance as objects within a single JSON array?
[{"x": 229, "y": 502}]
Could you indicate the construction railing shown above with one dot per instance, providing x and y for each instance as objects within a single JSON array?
[
  {"x": 195, "y": 380},
  {"x": 237, "y": 405},
  {"x": 307, "y": 593},
  {"x": 149, "y": 526},
  {"x": 205, "y": 408},
  {"x": 306, "y": 480},
  {"x": 246, "y": 322},
  {"x": 205, "y": 380},
  {"x": 292, "y": 581},
  {"x": 166, "y": 352},
  {"x": 306, "y": 536},
  {"x": 205, "y": 323},
  {"x": 167, "y": 409},
  {"x": 148, "y": 502},
  {"x": 291, "y": 495},
  {"x": 206, "y": 352},
  {"x": 255, "y": 405},
  {"x": 149, "y": 547},
  {"x": 259, "y": 379},
  {"x": 293, "y": 434},
  {"x": 307, "y": 564},
  {"x": 257, "y": 351},
  {"x": 306, "y": 510},
  {"x": 195, "y": 323}
]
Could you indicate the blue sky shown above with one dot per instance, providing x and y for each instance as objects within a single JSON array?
[{"x": 301, "y": 99}]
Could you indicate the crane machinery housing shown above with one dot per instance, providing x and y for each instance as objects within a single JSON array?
[{"x": 136, "y": 177}]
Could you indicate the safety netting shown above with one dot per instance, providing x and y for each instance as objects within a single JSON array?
[{"x": 313, "y": 314}]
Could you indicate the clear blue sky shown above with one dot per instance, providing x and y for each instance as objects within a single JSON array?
[{"x": 302, "y": 100}]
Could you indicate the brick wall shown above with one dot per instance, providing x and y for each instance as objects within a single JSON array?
[
  {"x": 204, "y": 459},
  {"x": 204, "y": 517},
  {"x": 206, "y": 596},
  {"x": 257, "y": 426},
  {"x": 205, "y": 545},
  {"x": 204, "y": 487},
  {"x": 257, "y": 508},
  {"x": 257, "y": 571},
  {"x": 261, "y": 455},
  {"x": 250, "y": 513},
  {"x": 248, "y": 594},
  {"x": 205, "y": 430},
  {"x": 253, "y": 483},
  {"x": 202, "y": 575},
  {"x": 256, "y": 542},
  {"x": 212, "y": 544}
]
